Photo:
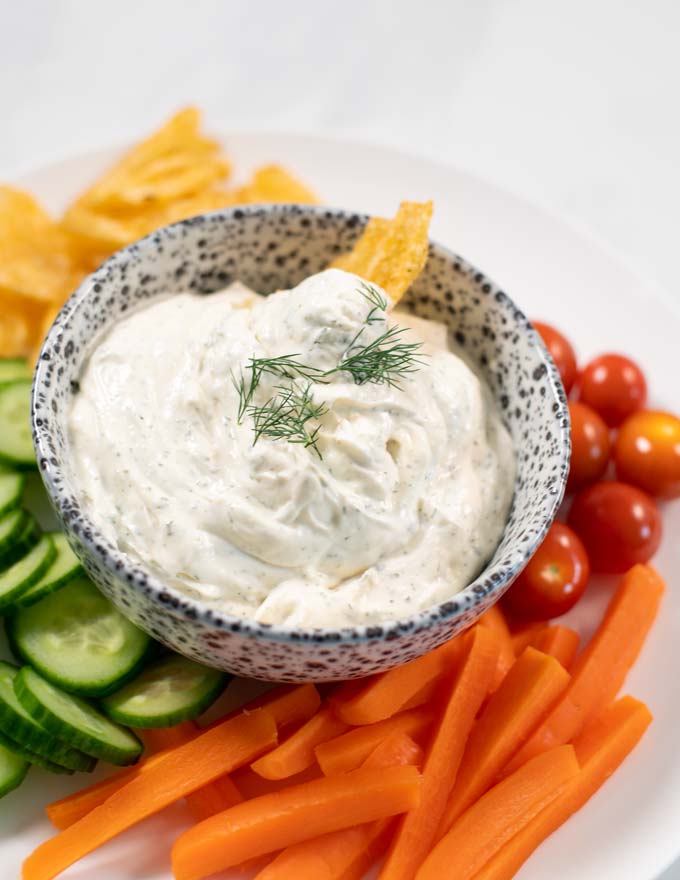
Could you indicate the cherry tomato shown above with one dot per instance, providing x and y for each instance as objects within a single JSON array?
[
  {"x": 614, "y": 386},
  {"x": 647, "y": 453},
  {"x": 561, "y": 352},
  {"x": 590, "y": 446},
  {"x": 619, "y": 525},
  {"x": 554, "y": 579}
]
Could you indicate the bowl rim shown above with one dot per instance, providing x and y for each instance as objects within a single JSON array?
[{"x": 176, "y": 603}]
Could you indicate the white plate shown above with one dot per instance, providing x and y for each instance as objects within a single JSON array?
[{"x": 630, "y": 829}]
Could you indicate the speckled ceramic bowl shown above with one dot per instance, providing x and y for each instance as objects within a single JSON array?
[{"x": 268, "y": 248}]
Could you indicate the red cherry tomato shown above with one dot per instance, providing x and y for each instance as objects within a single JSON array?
[
  {"x": 554, "y": 579},
  {"x": 590, "y": 446},
  {"x": 619, "y": 525},
  {"x": 647, "y": 453},
  {"x": 561, "y": 352},
  {"x": 614, "y": 386}
]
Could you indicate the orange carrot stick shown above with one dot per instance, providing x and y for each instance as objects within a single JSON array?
[
  {"x": 65, "y": 812},
  {"x": 498, "y": 815},
  {"x": 386, "y": 694},
  {"x": 560, "y": 642},
  {"x": 494, "y": 619},
  {"x": 349, "y": 751},
  {"x": 297, "y": 752},
  {"x": 528, "y": 692},
  {"x": 524, "y": 636},
  {"x": 600, "y": 670},
  {"x": 163, "y": 779},
  {"x": 158, "y": 738},
  {"x": 346, "y": 854},
  {"x": 600, "y": 749},
  {"x": 416, "y": 831},
  {"x": 289, "y": 705},
  {"x": 276, "y": 821},
  {"x": 206, "y": 801},
  {"x": 251, "y": 785}
]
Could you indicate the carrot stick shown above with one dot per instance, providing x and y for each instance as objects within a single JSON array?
[
  {"x": 386, "y": 694},
  {"x": 498, "y": 815},
  {"x": 206, "y": 801},
  {"x": 417, "y": 830},
  {"x": 349, "y": 751},
  {"x": 559, "y": 642},
  {"x": 289, "y": 705},
  {"x": 524, "y": 636},
  {"x": 600, "y": 749},
  {"x": 158, "y": 738},
  {"x": 275, "y": 821},
  {"x": 251, "y": 785},
  {"x": 346, "y": 854},
  {"x": 65, "y": 812},
  {"x": 297, "y": 752},
  {"x": 528, "y": 692},
  {"x": 163, "y": 779},
  {"x": 600, "y": 670},
  {"x": 494, "y": 619}
]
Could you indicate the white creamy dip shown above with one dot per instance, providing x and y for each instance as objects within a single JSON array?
[{"x": 405, "y": 505}]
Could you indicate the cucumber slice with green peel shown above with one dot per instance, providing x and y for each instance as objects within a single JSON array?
[
  {"x": 13, "y": 769},
  {"x": 16, "y": 579},
  {"x": 169, "y": 691},
  {"x": 16, "y": 445},
  {"x": 18, "y": 534},
  {"x": 13, "y": 746},
  {"x": 18, "y": 724},
  {"x": 78, "y": 640},
  {"x": 12, "y": 369},
  {"x": 74, "y": 720},
  {"x": 65, "y": 568},
  {"x": 11, "y": 489}
]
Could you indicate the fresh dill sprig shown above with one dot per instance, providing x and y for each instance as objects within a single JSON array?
[
  {"x": 285, "y": 416},
  {"x": 375, "y": 299},
  {"x": 289, "y": 411},
  {"x": 382, "y": 361},
  {"x": 284, "y": 367}
]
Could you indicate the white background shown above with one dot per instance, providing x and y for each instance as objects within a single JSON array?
[{"x": 572, "y": 104}]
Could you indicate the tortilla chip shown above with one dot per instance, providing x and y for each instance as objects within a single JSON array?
[
  {"x": 272, "y": 183},
  {"x": 392, "y": 253},
  {"x": 37, "y": 259}
]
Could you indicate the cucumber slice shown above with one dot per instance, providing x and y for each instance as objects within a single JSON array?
[
  {"x": 12, "y": 369},
  {"x": 13, "y": 746},
  {"x": 20, "y": 726},
  {"x": 11, "y": 490},
  {"x": 64, "y": 568},
  {"x": 72, "y": 719},
  {"x": 171, "y": 690},
  {"x": 16, "y": 579},
  {"x": 16, "y": 445},
  {"x": 78, "y": 640},
  {"x": 13, "y": 769},
  {"x": 18, "y": 534}
]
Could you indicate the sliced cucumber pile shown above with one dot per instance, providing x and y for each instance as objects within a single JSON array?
[
  {"x": 78, "y": 640},
  {"x": 167, "y": 692},
  {"x": 20, "y": 726},
  {"x": 23, "y": 574},
  {"x": 77, "y": 645},
  {"x": 74, "y": 720},
  {"x": 13, "y": 769},
  {"x": 64, "y": 568},
  {"x": 16, "y": 445},
  {"x": 11, "y": 489}
]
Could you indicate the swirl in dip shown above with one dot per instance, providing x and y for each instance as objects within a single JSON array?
[{"x": 400, "y": 505}]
